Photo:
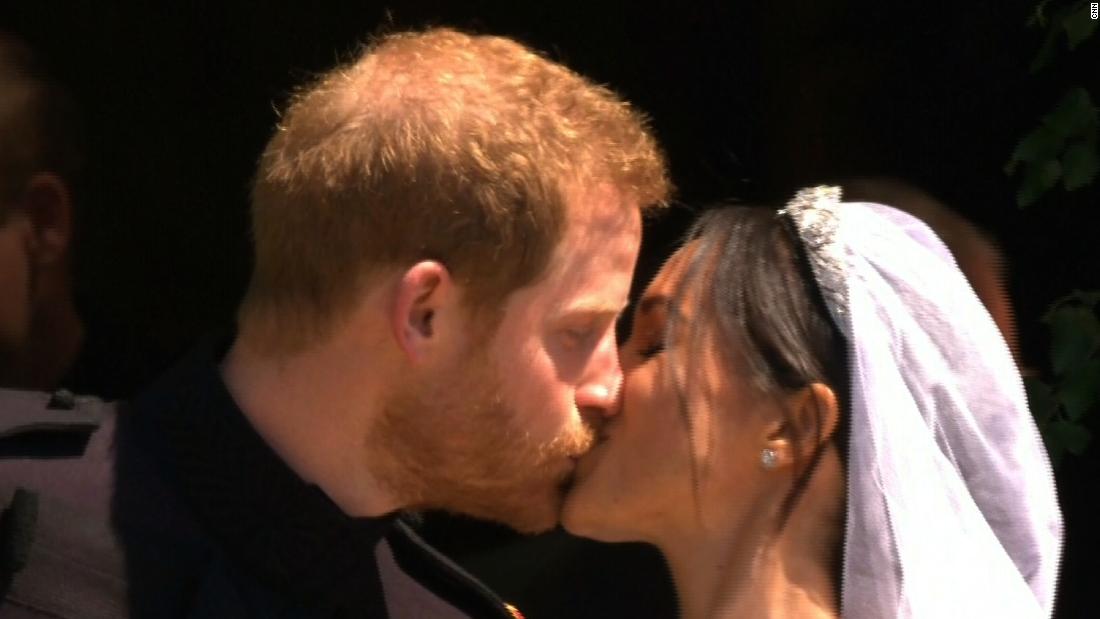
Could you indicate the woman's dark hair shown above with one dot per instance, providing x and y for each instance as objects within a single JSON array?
[{"x": 760, "y": 306}]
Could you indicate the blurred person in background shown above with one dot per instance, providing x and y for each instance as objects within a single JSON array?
[{"x": 50, "y": 337}]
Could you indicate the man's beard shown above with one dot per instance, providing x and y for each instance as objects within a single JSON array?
[{"x": 456, "y": 444}]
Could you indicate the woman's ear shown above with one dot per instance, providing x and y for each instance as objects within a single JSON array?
[
  {"x": 421, "y": 292},
  {"x": 812, "y": 415}
]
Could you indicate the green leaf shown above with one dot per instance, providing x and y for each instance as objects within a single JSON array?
[
  {"x": 1073, "y": 118},
  {"x": 1079, "y": 25},
  {"x": 1040, "y": 399},
  {"x": 1050, "y": 37},
  {"x": 1038, "y": 17},
  {"x": 1046, "y": 52},
  {"x": 1041, "y": 144},
  {"x": 1073, "y": 437},
  {"x": 1080, "y": 163},
  {"x": 1074, "y": 115},
  {"x": 1075, "y": 334},
  {"x": 1038, "y": 178},
  {"x": 1079, "y": 389},
  {"x": 1088, "y": 298}
]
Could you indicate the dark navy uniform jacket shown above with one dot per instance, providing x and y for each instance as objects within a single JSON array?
[{"x": 174, "y": 507}]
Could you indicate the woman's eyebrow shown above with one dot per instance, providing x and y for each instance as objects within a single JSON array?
[{"x": 647, "y": 304}]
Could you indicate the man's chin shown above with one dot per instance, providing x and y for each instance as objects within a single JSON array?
[
  {"x": 530, "y": 512},
  {"x": 537, "y": 512},
  {"x": 539, "y": 509}
]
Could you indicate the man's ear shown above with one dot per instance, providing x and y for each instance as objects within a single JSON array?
[
  {"x": 812, "y": 415},
  {"x": 48, "y": 204},
  {"x": 422, "y": 291}
]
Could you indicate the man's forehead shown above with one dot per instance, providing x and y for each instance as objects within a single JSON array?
[
  {"x": 593, "y": 282},
  {"x": 592, "y": 265},
  {"x": 599, "y": 205}
]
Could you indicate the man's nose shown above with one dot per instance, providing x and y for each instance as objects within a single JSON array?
[{"x": 599, "y": 392}]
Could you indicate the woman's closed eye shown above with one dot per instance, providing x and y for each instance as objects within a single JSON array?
[
  {"x": 579, "y": 337},
  {"x": 652, "y": 350}
]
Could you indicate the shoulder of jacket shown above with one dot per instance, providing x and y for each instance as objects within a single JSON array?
[
  {"x": 24, "y": 412},
  {"x": 35, "y": 425},
  {"x": 55, "y": 492},
  {"x": 420, "y": 561}
]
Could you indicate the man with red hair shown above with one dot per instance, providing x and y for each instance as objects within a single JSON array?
[{"x": 445, "y": 232}]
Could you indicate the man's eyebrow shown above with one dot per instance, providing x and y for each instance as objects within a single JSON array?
[{"x": 591, "y": 308}]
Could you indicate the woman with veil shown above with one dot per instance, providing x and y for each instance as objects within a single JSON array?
[{"x": 819, "y": 418}]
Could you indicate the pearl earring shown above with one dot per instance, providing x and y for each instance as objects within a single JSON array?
[{"x": 768, "y": 458}]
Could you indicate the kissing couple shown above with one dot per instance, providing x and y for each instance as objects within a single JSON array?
[{"x": 813, "y": 414}]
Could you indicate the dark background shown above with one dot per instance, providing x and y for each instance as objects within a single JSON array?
[{"x": 751, "y": 100}]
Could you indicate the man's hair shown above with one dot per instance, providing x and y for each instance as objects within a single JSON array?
[
  {"x": 431, "y": 145},
  {"x": 39, "y": 128}
]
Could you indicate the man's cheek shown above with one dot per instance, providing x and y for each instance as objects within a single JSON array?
[{"x": 548, "y": 402}]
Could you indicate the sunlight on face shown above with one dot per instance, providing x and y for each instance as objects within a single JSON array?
[
  {"x": 677, "y": 435},
  {"x": 642, "y": 468},
  {"x": 499, "y": 435}
]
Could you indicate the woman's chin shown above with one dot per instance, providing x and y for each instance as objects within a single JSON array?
[
  {"x": 577, "y": 516},
  {"x": 583, "y": 524},
  {"x": 586, "y": 513},
  {"x": 591, "y": 508},
  {"x": 579, "y": 509}
]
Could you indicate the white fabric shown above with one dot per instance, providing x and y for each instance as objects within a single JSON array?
[{"x": 952, "y": 509}]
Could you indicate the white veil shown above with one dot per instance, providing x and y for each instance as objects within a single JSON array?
[{"x": 951, "y": 509}]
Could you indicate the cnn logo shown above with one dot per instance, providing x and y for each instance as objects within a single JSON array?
[{"x": 1093, "y": 7}]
